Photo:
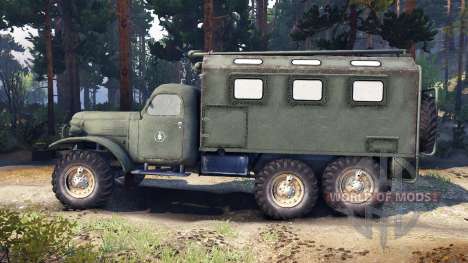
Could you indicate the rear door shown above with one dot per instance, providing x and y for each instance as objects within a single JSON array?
[{"x": 161, "y": 130}]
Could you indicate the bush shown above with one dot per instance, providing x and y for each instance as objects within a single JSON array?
[{"x": 34, "y": 237}]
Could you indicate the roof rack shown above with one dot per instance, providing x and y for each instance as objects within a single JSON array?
[{"x": 397, "y": 52}]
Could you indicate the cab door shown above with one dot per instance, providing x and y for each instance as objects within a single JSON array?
[{"x": 161, "y": 130}]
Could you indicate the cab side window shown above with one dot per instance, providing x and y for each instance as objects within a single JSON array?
[{"x": 165, "y": 105}]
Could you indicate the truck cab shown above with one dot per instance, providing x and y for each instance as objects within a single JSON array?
[
  {"x": 350, "y": 119},
  {"x": 168, "y": 127}
]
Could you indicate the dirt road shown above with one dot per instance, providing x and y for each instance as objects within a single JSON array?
[{"x": 222, "y": 211}]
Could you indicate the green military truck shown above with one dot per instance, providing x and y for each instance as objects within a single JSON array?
[{"x": 302, "y": 123}]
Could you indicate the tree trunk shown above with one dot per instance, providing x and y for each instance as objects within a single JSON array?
[
  {"x": 113, "y": 95},
  {"x": 50, "y": 71},
  {"x": 353, "y": 24},
  {"x": 6, "y": 84},
  {"x": 124, "y": 55},
  {"x": 410, "y": 5},
  {"x": 142, "y": 65},
  {"x": 86, "y": 97},
  {"x": 94, "y": 97},
  {"x": 398, "y": 7},
  {"x": 71, "y": 63},
  {"x": 461, "y": 54},
  {"x": 466, "y": 56},
  {"x": 448, "y": 35},
  {"x": 261, "y": 21},
  {"x": 63, "y": 94},
  {"x": 208, "y": 10},
  {"x": 458, "y": 133}
]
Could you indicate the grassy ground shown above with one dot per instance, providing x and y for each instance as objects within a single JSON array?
[
  {"x": 61, "y": 237},
  {"x": 119, "y": 239}
]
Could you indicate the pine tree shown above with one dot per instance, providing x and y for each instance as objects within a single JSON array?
[{"x": 37, "y": 14}]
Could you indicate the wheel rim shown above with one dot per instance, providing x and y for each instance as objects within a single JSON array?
[
  {"x": 79, "y": 182},
  {"x": 356, "y": 186},
  {"x": 288, "y": 190}
]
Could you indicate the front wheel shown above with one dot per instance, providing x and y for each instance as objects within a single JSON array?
[
  {"x": 286, "y": 189},
  {"x": 82, "y": 179}
]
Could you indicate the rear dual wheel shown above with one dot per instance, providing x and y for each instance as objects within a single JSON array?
[
  {"x": 288, "y": 188},
  {"x": 353, "y": 184}
]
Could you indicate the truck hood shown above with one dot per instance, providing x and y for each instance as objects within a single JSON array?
[{"x": 114, "y": 124}]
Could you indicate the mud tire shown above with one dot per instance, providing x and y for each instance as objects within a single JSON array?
[
  {"x": 103, "y": 177},
  {"x": 264, "y": 184},
  {"x": 332, "y": 177},
  {"x": 427, "y": 124}
]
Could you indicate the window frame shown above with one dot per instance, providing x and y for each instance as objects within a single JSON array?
[
  {"x": 231, "y": 84},
  {"x": 181, "y": 110},
  {"x": 293, "y": 101},
  {"x": 382, "y": 79}
]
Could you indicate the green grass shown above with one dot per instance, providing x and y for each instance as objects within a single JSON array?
[
  {"x": 194, "y": 253},
  {"x": 124, "y": 241},
  {"x": 118, "y": 235},
  {"x": 269, "y": 236},
  {"x": 440, "y": 178},
  {"x": 225, "y": 229}
]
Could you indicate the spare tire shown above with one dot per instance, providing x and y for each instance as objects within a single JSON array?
[{"x": 427, "y": 124}]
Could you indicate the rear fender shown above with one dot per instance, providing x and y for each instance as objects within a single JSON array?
[{"x": 119, "y": 153}]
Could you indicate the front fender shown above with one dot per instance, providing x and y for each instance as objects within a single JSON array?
[{"x": 119, "y": 153}]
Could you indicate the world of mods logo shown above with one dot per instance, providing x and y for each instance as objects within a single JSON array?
[{"x": 387, "y": 217}]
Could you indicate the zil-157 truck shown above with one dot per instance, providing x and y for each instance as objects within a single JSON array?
[{"x": 302, "y": 123}]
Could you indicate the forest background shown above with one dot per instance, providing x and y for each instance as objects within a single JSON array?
[{"x": 83, "y": 55}]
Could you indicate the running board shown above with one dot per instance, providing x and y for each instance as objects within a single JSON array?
[{"x": 159, "y": 173}]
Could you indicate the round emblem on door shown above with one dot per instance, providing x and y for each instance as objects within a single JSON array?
[{"x": 160, "y": 136}]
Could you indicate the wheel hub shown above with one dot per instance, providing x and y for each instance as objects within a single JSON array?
[
  {"x": 288, "y": 190},
  {"x": 80, "y": 181},
  {"x": 356, "y": 185}
]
